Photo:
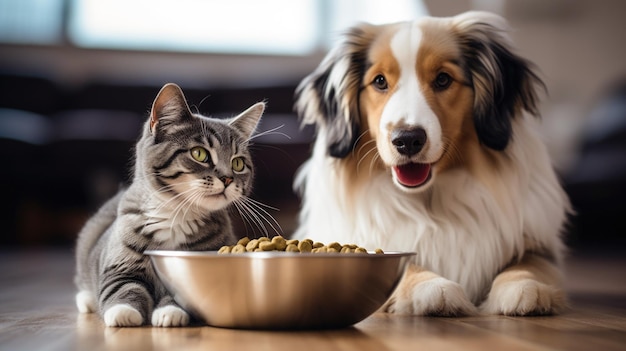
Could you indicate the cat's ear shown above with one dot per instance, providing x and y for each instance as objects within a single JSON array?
[
  {"x": 169, "y": 105},
  {"x": 249, "y": 119}
]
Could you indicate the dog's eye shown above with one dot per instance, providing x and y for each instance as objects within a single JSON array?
[
  {"x": 380, "y": 82},
  {"x": 442, "y": 81}
]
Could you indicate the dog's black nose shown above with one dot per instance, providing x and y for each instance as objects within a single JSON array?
[{"x": 408, "y": 141}]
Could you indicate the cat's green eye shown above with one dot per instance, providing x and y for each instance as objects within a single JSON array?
[
  {"x": 237, "y": 164},
  {"x": 200, "y": 154}
]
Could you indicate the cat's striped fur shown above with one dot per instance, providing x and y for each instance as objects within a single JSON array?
[{"x": 188, "y": 170}]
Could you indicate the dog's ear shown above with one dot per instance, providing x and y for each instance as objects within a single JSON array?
[
  {"x": 503, "y": 82},
  {"x": 329, "y": 97}
]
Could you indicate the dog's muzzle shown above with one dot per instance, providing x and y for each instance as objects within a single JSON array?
[{"x": 410, "y": 142}]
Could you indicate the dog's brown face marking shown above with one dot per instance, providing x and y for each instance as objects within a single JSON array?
[
  {"x": 381, "y": 62},
  {"x": 439, "y": 60}
]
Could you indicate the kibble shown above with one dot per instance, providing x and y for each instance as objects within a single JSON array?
[
  {"x": 252, "y": 244},
  {"x": 225, "y": 250},
  {"x": 305, "y": 246},
  {"x": 239, "y": 248},
  {"x": 278, "y": 243},
  {"x": 243, "y": 241},
  {"x": 267, "y": 246},
  {"x": 292, "y": 248}
]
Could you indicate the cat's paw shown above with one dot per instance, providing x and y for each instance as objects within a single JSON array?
[
  {"x": 437, "y": 297},
  {"x": 122, "y": 315},
  {"x": 86, "y": 302},
  {"x": 169, "y": 316},
  {"x": 524, "y": 297}
]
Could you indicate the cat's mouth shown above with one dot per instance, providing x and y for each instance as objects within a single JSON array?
[
  {"x": 212, "y": 201},
  {"x": 219, "y": 195}
]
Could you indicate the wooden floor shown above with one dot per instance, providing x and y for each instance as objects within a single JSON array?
[{"x": 37, "y": 313}]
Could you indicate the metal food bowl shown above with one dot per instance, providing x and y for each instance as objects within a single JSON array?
[{"x": 280, "y": 290}]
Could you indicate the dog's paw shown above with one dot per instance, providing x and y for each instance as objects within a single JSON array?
[
  {"x": 524, "y": 297},
  {"x": 86, "y": 302},
  {"x": 169, "y": 316},
  {"x": 436, "y": 297},
  {"x": 122, "y": 315}
]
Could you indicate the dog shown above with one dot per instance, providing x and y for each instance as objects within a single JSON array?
[{"x": 427, "y": 140}]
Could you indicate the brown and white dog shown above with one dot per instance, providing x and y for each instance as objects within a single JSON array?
[{"x": 423, "y": 145}]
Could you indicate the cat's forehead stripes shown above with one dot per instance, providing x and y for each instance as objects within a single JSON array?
[
  {"x": 213, "y": 140},
  {"x": 214, "y": 155},
  {"x": 209, "y": 131},
  {"x": 235, "y": 147}
]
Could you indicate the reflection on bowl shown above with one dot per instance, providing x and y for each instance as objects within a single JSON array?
[{"x": 280, "y": 290}]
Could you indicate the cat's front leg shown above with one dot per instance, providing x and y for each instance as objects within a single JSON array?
[
  {"x": 169, "y": 314},
  {"x": 122, "y": 315},
  {"x": 125, "y": 301}
]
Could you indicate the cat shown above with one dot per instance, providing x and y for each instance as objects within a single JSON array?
[{"x": 188, "y": 170}]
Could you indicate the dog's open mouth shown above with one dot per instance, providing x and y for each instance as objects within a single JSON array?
[{"x": 412, "y": 175}]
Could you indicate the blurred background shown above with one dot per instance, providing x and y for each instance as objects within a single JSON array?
[{"x": 77, "y": 78}]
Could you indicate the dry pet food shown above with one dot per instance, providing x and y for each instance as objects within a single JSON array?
[{"x": 278, "y": 243}]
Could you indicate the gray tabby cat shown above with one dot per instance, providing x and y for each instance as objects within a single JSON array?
[{"x": 188, "y": 169}]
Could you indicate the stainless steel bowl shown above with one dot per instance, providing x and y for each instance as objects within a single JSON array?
[{"x": 280, "y": 290}]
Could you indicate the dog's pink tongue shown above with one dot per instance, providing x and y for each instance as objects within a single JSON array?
[{"x": 412, "y": 174}]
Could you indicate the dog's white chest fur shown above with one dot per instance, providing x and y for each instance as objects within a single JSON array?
[
  {"x": 452, "y": 236},
  {"x": 458, "y": 228}
]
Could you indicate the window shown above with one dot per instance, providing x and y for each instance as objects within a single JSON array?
[
  {"x": 31, "y": 21},
  {"x": 233, "y": 26},
  {"x": 345, "y": 13},
  {"x": 270, "y": 27}
]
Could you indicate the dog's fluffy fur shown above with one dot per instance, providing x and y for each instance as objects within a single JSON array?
[{"x": 423, "y": 145}]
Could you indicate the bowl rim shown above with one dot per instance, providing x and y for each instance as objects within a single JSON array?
[{"x": 275, "y": 254}]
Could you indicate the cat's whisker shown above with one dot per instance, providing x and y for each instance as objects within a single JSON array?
[
  {"x": 193, "y": 200},
  {"x": 166, "y": 203},
  {"x": 250, "y": 216},
  {"x": 197, "y": 108},
  {"x": 246, "y": 222},
  {"x": 163, "y": 204},
  {"x": 261, "y": 204},
  {"x": 257, "y": 207},
  {"x": 255, "y": 216},
  {"x": 268, "y": 132},
  {"x": 186, "y": 205},
  {"x": 179, "y": 207},
  {"x": 259, "y": 218}
]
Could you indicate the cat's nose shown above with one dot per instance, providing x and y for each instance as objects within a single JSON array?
[{"x": 226, "y": 180}]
